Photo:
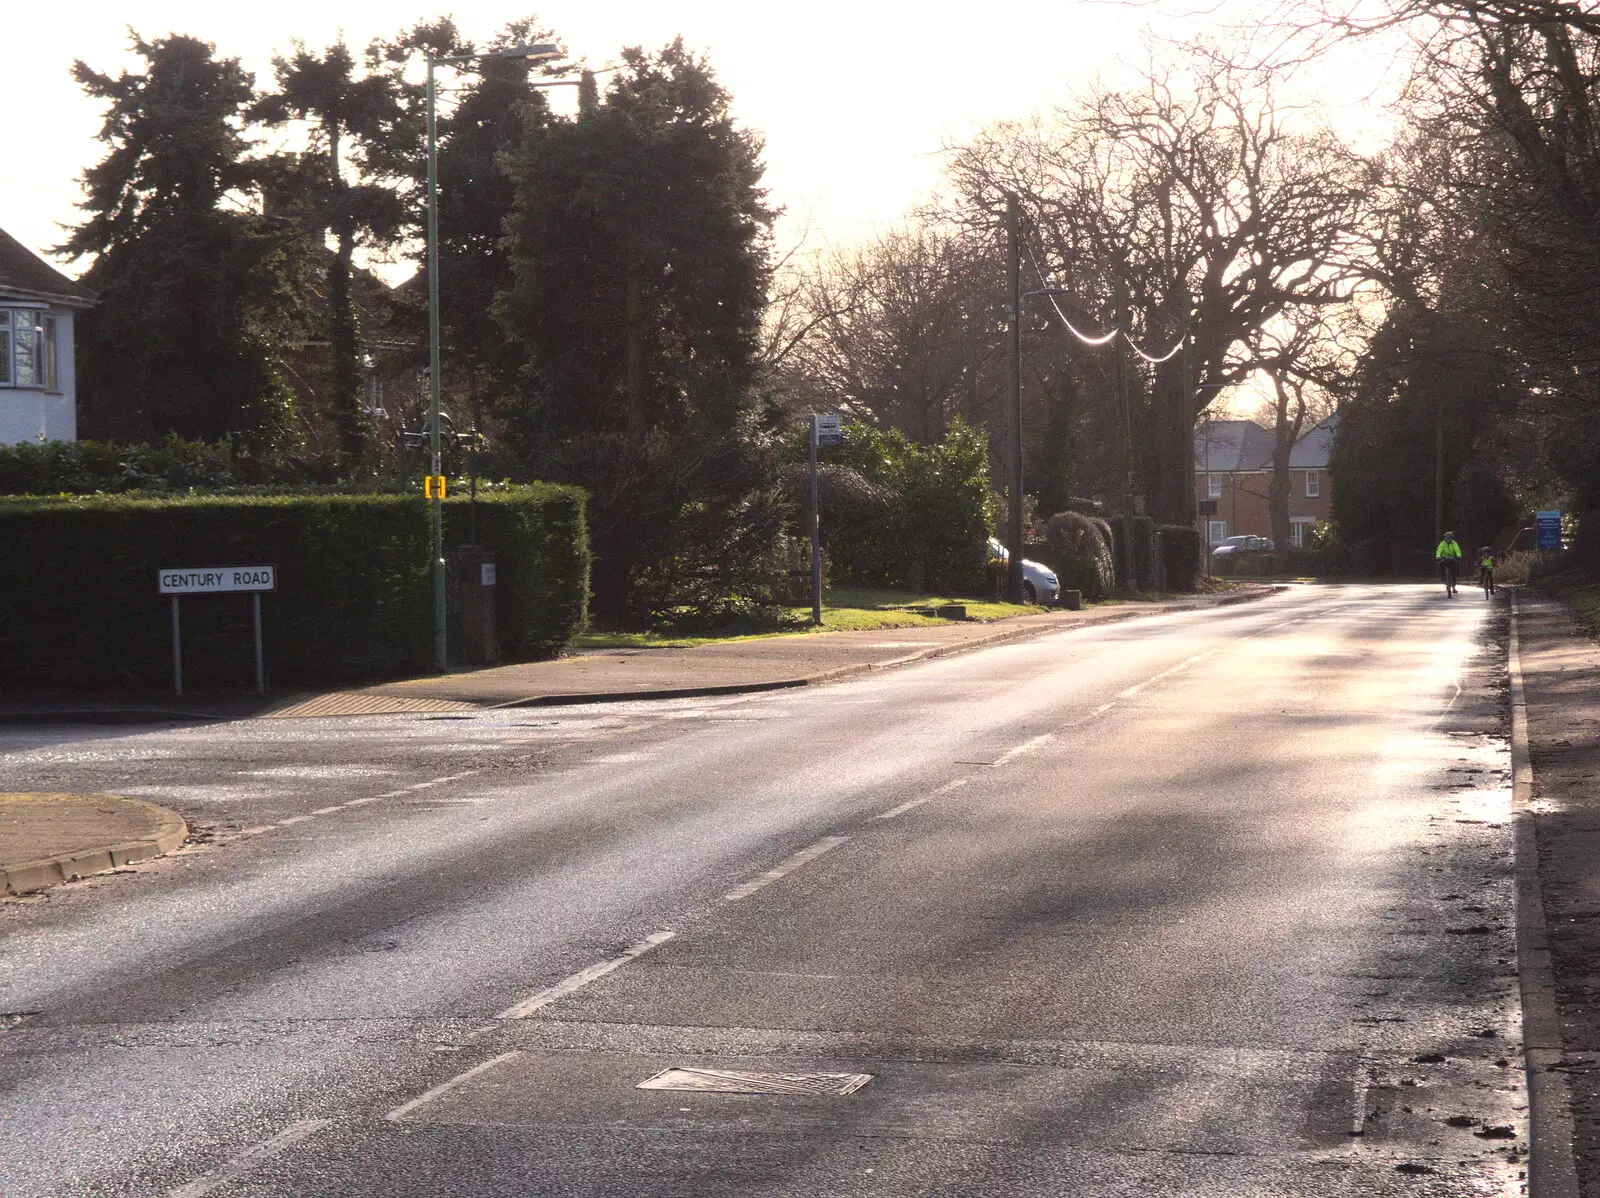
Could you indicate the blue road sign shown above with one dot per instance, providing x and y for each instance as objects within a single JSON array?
[{"x": 1548, "y": 526}]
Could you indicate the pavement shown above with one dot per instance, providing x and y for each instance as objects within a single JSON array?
[
  {"x": 47, "y": 838},
  {"x": 1212, "y": 903},
  {"x": 1560, "y": 668},
  {"x": 727, "y": 667}
]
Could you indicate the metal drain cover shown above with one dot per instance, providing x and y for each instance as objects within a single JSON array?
[{"x": 739, "y": 1081}]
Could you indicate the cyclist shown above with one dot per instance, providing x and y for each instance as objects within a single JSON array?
[
  {"x": 1449, "y": 558},
  {"x": 1486, "y": 571}
]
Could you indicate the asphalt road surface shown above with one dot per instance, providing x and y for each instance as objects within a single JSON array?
[{"x": 1212, "y": 903}]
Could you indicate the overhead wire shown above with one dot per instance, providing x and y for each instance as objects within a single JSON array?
[{"x": 1048, "y": 292}]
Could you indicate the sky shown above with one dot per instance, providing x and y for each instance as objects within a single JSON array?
[{"x": 854, "y": 97}]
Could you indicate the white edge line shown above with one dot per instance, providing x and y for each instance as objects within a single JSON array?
[
  {"x": 294, "y": 819},
  {"x": 405, "y": 1108},
  {"x": 247, "y": 1160},
  {"x": 582, "y": 978},
  {"x": 1358, "y": 1106},
  {"x": 788, "y": 866}
]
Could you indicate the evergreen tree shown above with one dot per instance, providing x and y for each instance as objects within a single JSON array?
[
  {"x": 496, "y": 106},
  {"x": 194, "y": 287},
  {"x": 639, "y": 245},
  {"x": 357, "y": 117}
]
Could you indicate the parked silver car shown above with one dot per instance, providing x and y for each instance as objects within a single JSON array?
[
  {"x": 1039, "y": 583},
  {"x": 1239, "y": 546}
]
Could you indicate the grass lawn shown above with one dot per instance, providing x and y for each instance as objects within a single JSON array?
[{"x": 843, "y": 608}]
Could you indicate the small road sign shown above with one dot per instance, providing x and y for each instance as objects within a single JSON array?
[
  {"x": 217, "y": 580},
  {"x": 828, "y": 431},
  {"x": 1548, "y": 527}
]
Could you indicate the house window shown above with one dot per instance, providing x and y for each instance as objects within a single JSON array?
[
  {"x": 27, "y": 348},
  {"x": 1213, "y": 486},
  {"x": 1297, "y": 530},
  {"x": 1313, "y": 484},
  {"x": 1217, "y": 531}
]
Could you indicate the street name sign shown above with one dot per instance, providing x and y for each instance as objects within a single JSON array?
[
  {"x": 217, "y": 580},
  {"x": 1548, "y": 526},
  {"x": 828, "y": 431}
]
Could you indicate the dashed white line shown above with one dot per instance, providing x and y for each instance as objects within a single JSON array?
[
  {"x": 1358, "y": 1110},
  {"x": 810, "y": 853},
  {"x": 913, "y": 804},
  {"x": 1154, "y": 678},
  {"x": 582, "y": 978},
  {"x": 1026, "y": 746},
  {"x": 248, "y": 1159},
  {"x": 361, "y": 802},
  {"x": 405, "y": 1108}
]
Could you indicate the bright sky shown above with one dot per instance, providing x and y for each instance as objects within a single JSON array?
[{"x": 854, "y": 97}]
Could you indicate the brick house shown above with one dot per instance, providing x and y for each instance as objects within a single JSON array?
[
  {"x": 1233, "y": 470},
  {"x": 38, "y": 395}
]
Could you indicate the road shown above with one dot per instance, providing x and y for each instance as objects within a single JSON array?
[{"x": 1212, "y": 903}]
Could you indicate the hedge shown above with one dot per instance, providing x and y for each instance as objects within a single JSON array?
[{"x": 79, "y": 608}]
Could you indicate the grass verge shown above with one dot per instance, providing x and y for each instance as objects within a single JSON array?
[{"x": 843, "y": 609}]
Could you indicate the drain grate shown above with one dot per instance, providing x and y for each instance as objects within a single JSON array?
[{"x": 739, "y": 1081}]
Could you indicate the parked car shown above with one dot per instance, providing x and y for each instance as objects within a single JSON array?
[
  {"x": 1039, "y": 583},
  {"x": 1235, "y": 547}
]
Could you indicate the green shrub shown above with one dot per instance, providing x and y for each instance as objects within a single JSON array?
[
  {"x": 900, "y": 514},
  {"x": 79, "y": 608},
  {"x": 1144, "y": 563},
  {"x": 86, "y": 467},
  {"x": 1079, "y": 551}
]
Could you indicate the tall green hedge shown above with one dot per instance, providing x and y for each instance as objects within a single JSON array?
[{"x": 79, "y": 609}]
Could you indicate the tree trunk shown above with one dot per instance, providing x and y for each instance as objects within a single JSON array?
[
  {"x": 344, "y": 330},
  {"x": 633, "y": 323},
  {"x": 1289, "y": 414}
]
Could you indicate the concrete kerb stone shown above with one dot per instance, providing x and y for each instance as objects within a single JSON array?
[
  {"x": 1552, "y": 1170},
  {"x": 28, "y": 876}
]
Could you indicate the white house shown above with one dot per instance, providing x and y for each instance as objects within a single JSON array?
[{"x": 38, "y": 399}]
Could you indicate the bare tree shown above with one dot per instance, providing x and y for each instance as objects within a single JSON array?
[{"x": 1195, "y": 206}]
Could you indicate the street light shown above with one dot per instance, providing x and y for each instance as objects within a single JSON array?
[{"x": 539, "y": 50}]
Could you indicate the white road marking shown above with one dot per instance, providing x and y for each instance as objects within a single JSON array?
[
  {"x": 582, "y": 978},
  {"x": 405, "y": 1108},
  {"x": 810, "y": 853},
  {"x": 248, "y": 1159},
  {"x": 908, "y": 805},
  {"x": 1358, "y": 1109},
  {"x": 913, "y": 804},
  {"x": 362, "y": 802},
  {"x": 1026, "y": 746},
  {"x": 1154, "y": 678}
]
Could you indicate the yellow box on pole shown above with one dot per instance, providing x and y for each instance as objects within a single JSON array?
[{"x": 430, "y": 482}]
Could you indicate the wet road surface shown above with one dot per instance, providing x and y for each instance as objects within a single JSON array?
[{"x": 1210, "y": 903}]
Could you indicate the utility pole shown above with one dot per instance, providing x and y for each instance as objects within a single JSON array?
[
  {"x": 1438, "y": 470},
  {"x": 1129, "y": 559},
  {"x": 1014, "y": 591}
]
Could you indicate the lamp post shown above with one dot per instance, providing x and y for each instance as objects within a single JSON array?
[{"x": 541, "y": 50}]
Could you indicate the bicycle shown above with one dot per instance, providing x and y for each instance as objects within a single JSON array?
[{"x": 1449, "y": 568}]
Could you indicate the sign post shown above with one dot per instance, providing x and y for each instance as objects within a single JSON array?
[
  {"x": 824, "y": 431},
  {"x": 217, "y": 580},
  {"x": 1548, "y": 527}
]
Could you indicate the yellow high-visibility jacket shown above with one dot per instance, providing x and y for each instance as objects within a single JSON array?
[{"x": 1448, "y": 551}]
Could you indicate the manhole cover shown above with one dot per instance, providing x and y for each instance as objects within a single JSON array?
[{"x": 739, "y": 1081}]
